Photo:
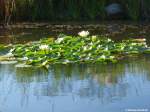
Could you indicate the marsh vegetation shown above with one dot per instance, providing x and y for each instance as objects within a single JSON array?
[{"x": 77, "y": 10}]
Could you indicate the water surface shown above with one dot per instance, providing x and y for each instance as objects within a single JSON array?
[
  {"x": 76, "y": 88},
  {"x": 22, "y": 33}
]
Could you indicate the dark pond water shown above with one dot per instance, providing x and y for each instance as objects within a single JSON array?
[
  {"x": 22, "y": 33},
  {"x": 121, "y": 87}
]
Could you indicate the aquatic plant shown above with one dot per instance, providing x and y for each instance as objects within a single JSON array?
[
  {"x": 83, "y": 33},
  {"x": 75, "y": 49},
  {"x": 133, "y": 9},
  {"x": 46, "y": 10}
]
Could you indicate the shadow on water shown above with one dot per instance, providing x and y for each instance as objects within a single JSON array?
[
  {"x": 76, "y": 88},
  {"x": 117, "y": 30}
]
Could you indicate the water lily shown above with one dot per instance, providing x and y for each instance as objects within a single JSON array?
[
  {"x": 87, "y": 58},
  {"x": 79, "y": 50},
  {"x": 94, "y": 37},
  {"x": 133, "y": 44},
  {"x": 24, "y": 58},
  {"x": 58, "y": 54},
  {"x": 122, "y": 47},
  {"x": 146, "y": 46},
  {"x": 140, "y": 40},
  {"x": 130, "y": 47},
  {"x": 103, "y": 57},
  {"x": 50, "y": 48},
  {"x": 83, "y": 33},
  {"x": 44, "y": 47},
  {"x": 26, "y": 50},
  {"x": 44, "y": 63},
  {"x": 59, "y": 40},
  {"x": 11, "y": 50},
  {"x": 106, "y": 49},
  {"x": 109, "y": 40},
  {"x": 99, "y": 46},
  {"x": 90, "y": 43},
  {"x": 90, "y": 47},
  {"x": 10, "y": 54},
  {"x": 89, "y": 54},
  {"x": 111, "y": 57},
  {"x": 66, "y": 61},
  {"x": 85, "y": 48}
]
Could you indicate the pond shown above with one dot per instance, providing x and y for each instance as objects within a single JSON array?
[
  {"x": 22, "y": 33},
  {"x": 119, "y": 87},
  {"x": 76, "y": 88}
]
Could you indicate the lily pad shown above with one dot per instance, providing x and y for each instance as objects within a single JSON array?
[
  {"x": 23, "y": 66},
  {"x": 8, "y": 62},
  {"x": 74, "y": 49}
]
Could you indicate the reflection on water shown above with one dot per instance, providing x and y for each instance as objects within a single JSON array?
[
  {"x": 76, "y": 88},
  {"x": 115, "y": 30}
]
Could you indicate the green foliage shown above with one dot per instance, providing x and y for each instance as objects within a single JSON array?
[
  {"x": 133, "y": 8},
  {"x": 46, "y": 10},
  {"x": 77, "y": 49}
]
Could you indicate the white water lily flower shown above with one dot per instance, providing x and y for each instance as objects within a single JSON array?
[
  {"x": 133, "y": 44},
  {"x": 85, "y": 48},
  {"x": 103, "y": 56},
  {"x": 39, "y": 58},
  {"x": 146, "y": 46},
  {"x": 87, "y": 58},
  {"x": 111, "y": 57},
  {"x": 58, "y": 54},
  {"x": 9, "y": 54},
  {"x": 98, "y": 46},
  {"x": 50, "y": 49},
  {"x": 24, "y": 58},
  {"x": 74, "y": 54},
  {"x": 44, "y": 47},
  {"x": 26, "y": 50},
  {"x": 44, "y": 63},
  {"x": 130, "y": 47},
  {"x": 122, "y": 47},
  {"x": 91, "y": 48},
  {"x": 66, "y": 61},
  {"x": 90, "y": 43},
  {"x": 106, "y": 49},
  {"x": 140, "y": 40},
  {"x": 30, "y": 60},
  {"x": 11, "y": 50},
  {"x": 144, "y": 39},
  {"x": 109, "y": 40},
  {"x": 83, "y": 33},
  {"x": 89, "y": 54},
  {"x": 59, "y": 40},
  {"x": 94, "y": 37},
  {"x": 144, "y": 43}
]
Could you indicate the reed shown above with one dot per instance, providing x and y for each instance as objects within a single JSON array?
[{"x": 47, "y": 10}]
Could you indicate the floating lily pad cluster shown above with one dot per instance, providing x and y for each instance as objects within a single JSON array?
[{"x": 76, "y": 49}]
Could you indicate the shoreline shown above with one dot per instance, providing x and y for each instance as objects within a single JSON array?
[{"x": 70, "y": 23}]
